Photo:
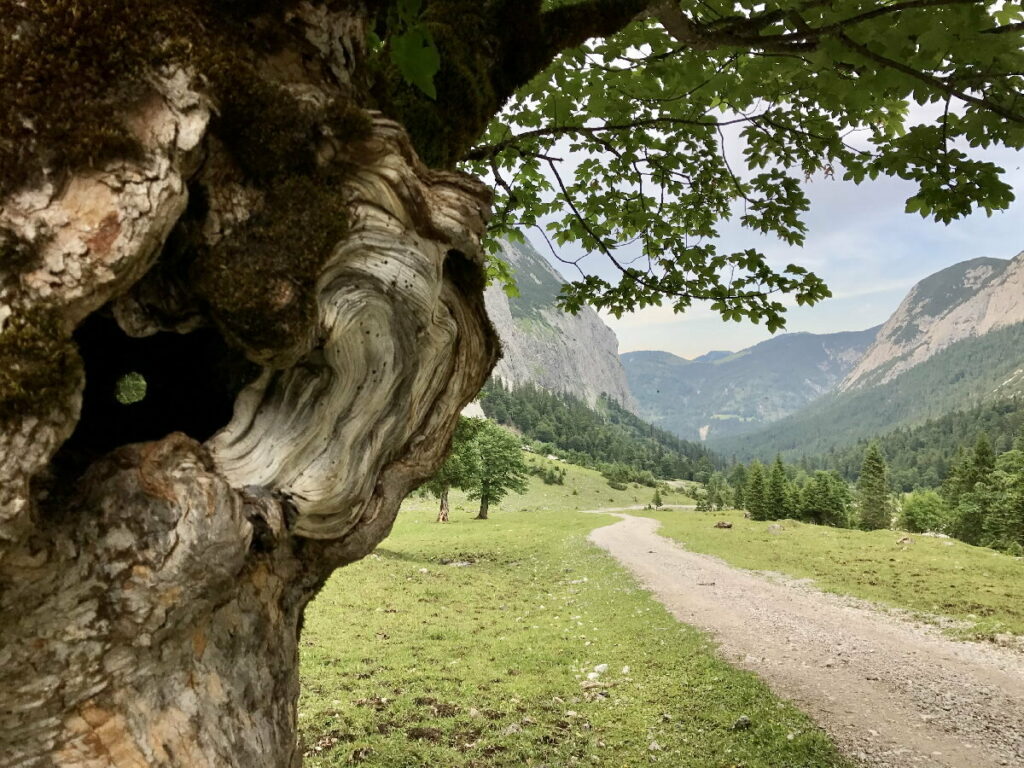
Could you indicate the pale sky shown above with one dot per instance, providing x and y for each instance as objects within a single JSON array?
[{"x": 859, "y": 241}]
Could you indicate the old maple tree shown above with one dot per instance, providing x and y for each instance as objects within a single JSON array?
[{"x": 270, "y": 213}]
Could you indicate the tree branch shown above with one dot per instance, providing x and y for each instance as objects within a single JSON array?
[
  {"x": 484, "y": 151},
  {"x": 940, "y": 85}
]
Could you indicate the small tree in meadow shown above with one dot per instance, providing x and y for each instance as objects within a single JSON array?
[
  {"x": 777, "y": 501},
  {"x": 499, "y": 468},
  {"x": 460, "y": 468},
  {"x": 756, "y": 493},
  {"x": 924, "y": 511}
]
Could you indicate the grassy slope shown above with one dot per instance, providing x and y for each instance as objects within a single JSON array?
[
  {"x": 981, "y": 587},
  {"x": 408, "y": 661}
]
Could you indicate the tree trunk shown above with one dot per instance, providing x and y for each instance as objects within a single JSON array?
[
  {"x": 442, "y": 514},
  {"x": 484, "y": 504},
  {"x": 150, "y": 605}
]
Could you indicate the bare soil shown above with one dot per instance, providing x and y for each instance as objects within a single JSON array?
[{"x": 890, "y": 691}]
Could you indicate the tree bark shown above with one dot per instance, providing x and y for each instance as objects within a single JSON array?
[
  {"x": 442, "y": 513},
  {"x": 150, "y": 608},
  {"x": 484, "y": 505}
]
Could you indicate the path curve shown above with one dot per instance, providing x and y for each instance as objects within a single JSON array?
[{"x": 889, "y": 691}]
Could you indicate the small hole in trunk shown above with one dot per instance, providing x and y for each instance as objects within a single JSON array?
[{"x": 141, "y": 389}]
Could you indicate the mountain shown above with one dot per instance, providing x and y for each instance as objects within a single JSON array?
[
  {"x": 966, "y": 300},
  {"x": 608, "y": 438},
  {"x": 549, "y": 348},
  {"x": 722, "y": 393},
  {"x": 966, "y": 374}
]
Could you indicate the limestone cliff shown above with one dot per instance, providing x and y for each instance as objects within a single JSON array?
[
  {"x": 963, "y": 301},
  {"x": 547, "y": 347}
]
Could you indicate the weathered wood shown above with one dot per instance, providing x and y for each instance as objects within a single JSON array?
[{"x": 151, "y": 618}]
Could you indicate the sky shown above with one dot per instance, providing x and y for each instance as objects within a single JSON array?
[{"x": 860, "y": 241}]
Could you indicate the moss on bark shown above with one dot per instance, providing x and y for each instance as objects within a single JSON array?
[
  {"x": 259, "y": 282},
  {"x": 442, "y": 129},
  {"x": 40, "y": 364},
  {"x": 70, "y": 72}
]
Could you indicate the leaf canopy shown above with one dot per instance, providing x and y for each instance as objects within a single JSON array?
[{"x": 628, "y": 145}]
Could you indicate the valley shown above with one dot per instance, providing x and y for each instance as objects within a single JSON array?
[
  {"x": 406, "y": 384},
  {"x": 809, "y": 509},
  {"x": 515, "y": 641}
]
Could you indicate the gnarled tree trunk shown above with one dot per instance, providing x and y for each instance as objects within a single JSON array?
[{"x": 156, "y": 556}]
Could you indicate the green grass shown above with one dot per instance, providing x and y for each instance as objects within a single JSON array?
[
  {"x": 409, "y": 661},
  {"x": 583, "y": 489},
  {"x": 980, "y": 588}
]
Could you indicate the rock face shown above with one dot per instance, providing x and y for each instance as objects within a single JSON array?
[
  {"x": 721, "y": 393},
  {"x": 963, "y": 301},
  {"x": 549, "y": 348}
]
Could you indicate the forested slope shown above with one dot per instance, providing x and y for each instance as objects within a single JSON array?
[
  {"x": 966, "y": 375},
  {"x": 609, "y": 437}
]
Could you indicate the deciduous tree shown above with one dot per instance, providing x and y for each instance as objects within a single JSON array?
[
  {"x": 498, "y": 465},
  {"x": 262, "y": 209},
  {"x": 459, "y": 469}
]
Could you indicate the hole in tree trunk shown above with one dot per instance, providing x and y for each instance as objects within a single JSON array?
[{"x": 141, "y": 389}]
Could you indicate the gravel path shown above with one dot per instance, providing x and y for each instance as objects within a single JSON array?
[{"x": 890, "y": 692}]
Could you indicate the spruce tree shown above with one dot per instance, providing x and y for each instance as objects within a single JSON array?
[
  {"x": 756, "y": 492},
  {"x": 777, "y": 496},
  {"x": 1003, "y": 528},
  {"x": 984, "y": 458},
  {"x": 873, "y": 494}
]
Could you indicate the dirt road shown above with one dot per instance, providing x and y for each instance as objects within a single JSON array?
[{"x": 891, "y": 692}]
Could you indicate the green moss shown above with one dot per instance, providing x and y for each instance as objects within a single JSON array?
[
  {"x": 259, "y": 282},
  {"x": 69, "y": 68},
  {"x": 38, "y": 364},
  {"x": 463, "y": 34}
]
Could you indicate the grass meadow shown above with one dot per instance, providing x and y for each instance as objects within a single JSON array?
[
  {"x": 983, "y": 590},
  {"x": 514, "y": 642}
]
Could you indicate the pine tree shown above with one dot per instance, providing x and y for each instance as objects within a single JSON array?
[
  {"x": 738, "y": 482},
  {"x": 656, "y": 501},
  {"x": 873, "y": 495},
  {"x": 1003, "y": 525},
  {"x": 984, "y": 458},
  {"x": 756, "y": 492},
  {"x": 777, "y": 497}
]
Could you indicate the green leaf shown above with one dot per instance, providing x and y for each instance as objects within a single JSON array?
[{"x": 417, "y": 58}]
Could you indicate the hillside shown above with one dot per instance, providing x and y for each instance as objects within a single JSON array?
[
  {"x": 546, "y": 347},
  {"x": 608, "y": 437},
  {"x": 921, "y": 456},
  {"x": 966, "y": 374},
  {"x": 963, "y": 301},
  {"x": 721, "y": 393}
]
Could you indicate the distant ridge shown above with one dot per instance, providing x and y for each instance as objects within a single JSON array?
[
  {"x": 965, "y": 300},
  {"x": 725, "y": 393},
  {"x": 955, "y": 343}
]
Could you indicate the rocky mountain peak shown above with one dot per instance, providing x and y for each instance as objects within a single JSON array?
[{"x": 965, "y": 300}]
